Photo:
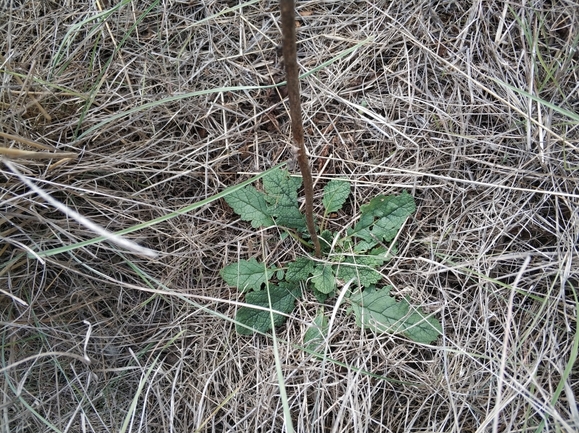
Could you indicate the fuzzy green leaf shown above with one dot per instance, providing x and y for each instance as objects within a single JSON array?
[
  {"x": 363, "y": 268},
  {"x": 336, "y": 193},
  {"x": 247, "y": 275},
  {"x": 324, "y": 280},
  {"x": 282, "y": 296},
  {"x": 299, "y": 270},
  {"x": 382, "y": 217},
  {"x": 281, "y": 185},
  {"x": 316, "y": 333},
  {"x": 321, "y": 297},
  {"x": 250, "y": 205},
  {"x": 377, "y": 310},
  {"x": 363, "y": 276},
  {"x": 282, "y": 199},
  {"x": 362, "y": 247},
  {"x": 288, "y": 216}
]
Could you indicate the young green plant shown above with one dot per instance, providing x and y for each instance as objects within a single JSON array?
[{"x": 356, "y": 255}]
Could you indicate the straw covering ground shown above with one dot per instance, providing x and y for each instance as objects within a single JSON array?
[{"x": 126, "y": 111}]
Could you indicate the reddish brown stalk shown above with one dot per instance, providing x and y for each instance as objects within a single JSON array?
[{"x": 288, "y": 28}]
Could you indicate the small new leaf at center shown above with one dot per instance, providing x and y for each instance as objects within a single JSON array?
[
  {"x": 324, "y": 280},
  {"x": 336, "y": 193}
]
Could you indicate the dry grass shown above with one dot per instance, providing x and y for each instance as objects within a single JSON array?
[{"x": 492, "y": 249}]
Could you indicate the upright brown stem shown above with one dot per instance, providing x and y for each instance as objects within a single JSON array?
[{"x": 288, "y": 28}]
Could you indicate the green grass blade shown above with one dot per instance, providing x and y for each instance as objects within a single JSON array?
[
  {"x": 568, "y": 368},
  {"x": 289, "y": 427},
  {"x": 67, "y": 40},
  {"x": 570, "y": 114},
  {"x": 151, "y": 223}
]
